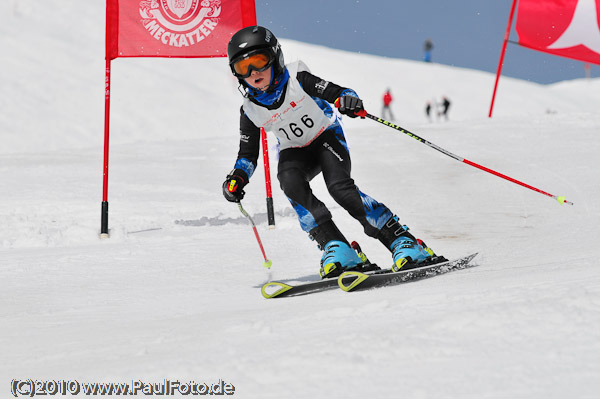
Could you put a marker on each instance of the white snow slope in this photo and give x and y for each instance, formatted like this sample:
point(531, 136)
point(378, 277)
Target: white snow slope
point(174, 293)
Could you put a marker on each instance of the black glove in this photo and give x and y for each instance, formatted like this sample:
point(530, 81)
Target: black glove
point(351, 106)
point(234, 184)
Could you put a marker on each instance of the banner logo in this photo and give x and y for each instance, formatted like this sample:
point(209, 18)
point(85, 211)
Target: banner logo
point(583, 28)
point(180, 23)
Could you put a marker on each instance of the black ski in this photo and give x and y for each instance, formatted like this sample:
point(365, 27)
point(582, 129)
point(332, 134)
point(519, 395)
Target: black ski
point(277, 289)
point(356, 281)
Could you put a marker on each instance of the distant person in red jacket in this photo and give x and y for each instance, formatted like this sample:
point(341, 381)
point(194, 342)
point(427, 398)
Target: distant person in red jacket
point(387, 100)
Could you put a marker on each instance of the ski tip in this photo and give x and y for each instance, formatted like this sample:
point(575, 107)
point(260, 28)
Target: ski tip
point(273, 289)
point(268, 263)
point(347, 281)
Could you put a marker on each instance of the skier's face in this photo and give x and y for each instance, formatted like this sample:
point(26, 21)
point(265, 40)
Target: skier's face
point(260, 80)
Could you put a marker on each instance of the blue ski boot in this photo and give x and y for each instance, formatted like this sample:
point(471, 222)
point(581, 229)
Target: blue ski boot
point(407, 251)
point(338, 256)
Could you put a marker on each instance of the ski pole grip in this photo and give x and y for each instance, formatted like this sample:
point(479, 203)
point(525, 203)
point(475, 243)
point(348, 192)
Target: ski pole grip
point(362, 113)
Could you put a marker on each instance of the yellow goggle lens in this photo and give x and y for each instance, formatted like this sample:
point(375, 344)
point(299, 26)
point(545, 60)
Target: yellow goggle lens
point(257, 61)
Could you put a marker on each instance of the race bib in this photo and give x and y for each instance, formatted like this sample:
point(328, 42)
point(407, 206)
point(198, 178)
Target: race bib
point(298, 121)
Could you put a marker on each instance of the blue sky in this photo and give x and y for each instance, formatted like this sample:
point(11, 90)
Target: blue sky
point(465, 33)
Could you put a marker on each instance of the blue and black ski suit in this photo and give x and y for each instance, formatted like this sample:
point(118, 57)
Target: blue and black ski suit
point(311, 141)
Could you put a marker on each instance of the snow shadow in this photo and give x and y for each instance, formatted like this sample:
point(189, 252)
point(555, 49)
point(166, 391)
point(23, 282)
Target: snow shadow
point(219, 220)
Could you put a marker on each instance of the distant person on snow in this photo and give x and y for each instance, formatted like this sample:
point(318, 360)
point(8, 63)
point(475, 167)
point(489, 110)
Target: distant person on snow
point(295, 105)
point(427, 47)
point(428, 110)
point(387, 100)
point(445, 106)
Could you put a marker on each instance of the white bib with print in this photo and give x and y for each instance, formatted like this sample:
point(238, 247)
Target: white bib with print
point(298, 121)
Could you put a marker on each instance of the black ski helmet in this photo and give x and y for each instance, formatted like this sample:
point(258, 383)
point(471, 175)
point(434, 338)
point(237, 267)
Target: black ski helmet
point(253, 39)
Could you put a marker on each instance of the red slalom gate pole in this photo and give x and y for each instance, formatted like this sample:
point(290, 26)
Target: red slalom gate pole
point(104, 211)
point(265, 148)
point(364, 114)
point(503, 51)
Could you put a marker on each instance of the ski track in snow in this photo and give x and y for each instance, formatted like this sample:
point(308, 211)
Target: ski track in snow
point(175, 292)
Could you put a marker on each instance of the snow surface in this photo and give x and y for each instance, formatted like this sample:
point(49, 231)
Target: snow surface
point(174, 293)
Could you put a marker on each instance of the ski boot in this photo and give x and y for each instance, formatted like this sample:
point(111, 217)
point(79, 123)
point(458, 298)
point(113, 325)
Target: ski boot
point(338, 256)
point(407, 251)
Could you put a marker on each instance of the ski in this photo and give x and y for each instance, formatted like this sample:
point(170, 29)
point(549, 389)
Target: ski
point(278, 289)
point(356, 281)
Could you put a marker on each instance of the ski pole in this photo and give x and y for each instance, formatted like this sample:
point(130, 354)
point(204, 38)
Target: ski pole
point(364, 114)
point(267, 263)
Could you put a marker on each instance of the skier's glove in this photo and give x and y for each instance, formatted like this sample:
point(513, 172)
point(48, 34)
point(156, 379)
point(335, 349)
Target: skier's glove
point(351, 106)
point(233, 187)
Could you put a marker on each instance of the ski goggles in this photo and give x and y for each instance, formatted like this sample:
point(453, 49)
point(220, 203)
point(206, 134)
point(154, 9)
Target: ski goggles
point(259, 62)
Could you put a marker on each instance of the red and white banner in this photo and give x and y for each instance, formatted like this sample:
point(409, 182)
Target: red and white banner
point(174, 28)
point(568, 28)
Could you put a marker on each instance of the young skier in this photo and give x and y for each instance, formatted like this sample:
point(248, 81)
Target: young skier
point(294, 104)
